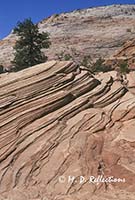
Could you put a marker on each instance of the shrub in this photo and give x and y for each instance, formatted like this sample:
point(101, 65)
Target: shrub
point(63, 56)
point(87, 61)
point(129, 30)
point(99, 66)
point(1, 69)
point(123, 65)
point(67, 57)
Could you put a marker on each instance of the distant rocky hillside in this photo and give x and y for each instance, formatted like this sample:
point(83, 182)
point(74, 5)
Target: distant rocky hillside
point(98, 32)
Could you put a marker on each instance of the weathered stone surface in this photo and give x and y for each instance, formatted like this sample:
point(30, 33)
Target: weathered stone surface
point(56, 119)
point(126, 54)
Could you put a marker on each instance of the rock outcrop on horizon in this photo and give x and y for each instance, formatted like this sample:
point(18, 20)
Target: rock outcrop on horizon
point(57, 119)
point(96, 32)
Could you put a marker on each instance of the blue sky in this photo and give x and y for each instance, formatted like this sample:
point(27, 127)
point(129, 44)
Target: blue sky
point(12, 11)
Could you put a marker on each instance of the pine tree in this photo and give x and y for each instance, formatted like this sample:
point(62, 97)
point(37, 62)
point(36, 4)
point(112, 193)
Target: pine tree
point(28, 47)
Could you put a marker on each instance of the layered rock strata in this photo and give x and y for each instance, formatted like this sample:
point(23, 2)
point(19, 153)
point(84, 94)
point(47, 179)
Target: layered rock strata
point(58, 121)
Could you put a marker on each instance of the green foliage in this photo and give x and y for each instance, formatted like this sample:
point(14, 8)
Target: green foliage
point(99, 66)
point(123, 65)
point(129, 30)
point(63, 56)
point(28, 47)
point(87, 61)
point(1, 69)
point(67, 57)
point(56, 15)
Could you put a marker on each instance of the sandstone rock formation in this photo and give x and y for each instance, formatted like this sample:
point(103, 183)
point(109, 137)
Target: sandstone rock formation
point(126, 53)
point(58, 120)
point(97, 32)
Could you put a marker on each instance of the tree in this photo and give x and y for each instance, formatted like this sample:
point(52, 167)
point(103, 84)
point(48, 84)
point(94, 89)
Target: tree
point(28, 47)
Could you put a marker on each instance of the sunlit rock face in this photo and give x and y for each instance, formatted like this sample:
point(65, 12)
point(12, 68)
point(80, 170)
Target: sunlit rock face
point(97, 32)
point(57, 122)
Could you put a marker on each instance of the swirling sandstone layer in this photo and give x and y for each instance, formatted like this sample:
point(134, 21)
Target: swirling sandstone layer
point(56, 119)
